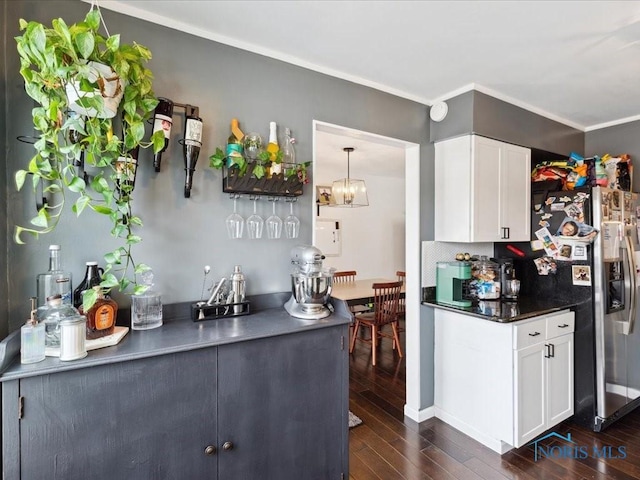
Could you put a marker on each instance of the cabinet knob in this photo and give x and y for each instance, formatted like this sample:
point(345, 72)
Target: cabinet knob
point(564, 325)
point(210, 450)
point(227, 446)
point(534, 334)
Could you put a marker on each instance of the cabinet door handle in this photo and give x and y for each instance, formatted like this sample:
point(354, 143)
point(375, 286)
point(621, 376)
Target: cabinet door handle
point(553, 350)
point(564, 325)
point(508, 232)
point(548, 354)
point(210, 450)
point(227, 446)
point(534, 334)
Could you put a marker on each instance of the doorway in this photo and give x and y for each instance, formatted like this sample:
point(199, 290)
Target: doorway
point(409, 154)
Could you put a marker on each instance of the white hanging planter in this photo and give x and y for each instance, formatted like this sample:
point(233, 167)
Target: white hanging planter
point(111, 88)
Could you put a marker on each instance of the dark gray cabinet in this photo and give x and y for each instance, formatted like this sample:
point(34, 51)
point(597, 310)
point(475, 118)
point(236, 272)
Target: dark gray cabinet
point(272, 408)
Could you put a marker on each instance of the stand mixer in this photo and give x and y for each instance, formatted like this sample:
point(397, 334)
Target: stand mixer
point(310, 284)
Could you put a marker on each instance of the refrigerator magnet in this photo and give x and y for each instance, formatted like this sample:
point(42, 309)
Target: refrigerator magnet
point(548, 242)
point(579, 252)
point(565, 252)
point(545, 265)
point(581, 275)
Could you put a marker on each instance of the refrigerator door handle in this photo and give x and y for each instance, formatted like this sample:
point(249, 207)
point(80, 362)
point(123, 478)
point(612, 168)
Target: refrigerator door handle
point(627, 327)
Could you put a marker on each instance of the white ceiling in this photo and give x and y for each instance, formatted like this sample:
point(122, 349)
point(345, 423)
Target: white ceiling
point(573, 61)
point(368, 157)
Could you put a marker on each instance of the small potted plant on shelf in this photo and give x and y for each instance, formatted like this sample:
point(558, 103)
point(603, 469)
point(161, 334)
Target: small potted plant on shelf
point(93, 96)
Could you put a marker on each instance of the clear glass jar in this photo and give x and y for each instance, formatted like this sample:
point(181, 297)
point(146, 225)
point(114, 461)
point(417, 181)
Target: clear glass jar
point(486, 279)
point(51, 315)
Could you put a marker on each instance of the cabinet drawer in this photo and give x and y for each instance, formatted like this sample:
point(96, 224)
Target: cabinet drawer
point(560, 324)
point(529, 333)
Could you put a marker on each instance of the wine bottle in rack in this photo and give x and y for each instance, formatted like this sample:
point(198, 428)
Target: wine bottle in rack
point(191, 149)
point(234, 144)
point(162, 121)
point(273, 148)
point(288, 151)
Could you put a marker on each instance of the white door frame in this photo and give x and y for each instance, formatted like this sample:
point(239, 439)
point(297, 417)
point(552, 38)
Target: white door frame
point(413, 335)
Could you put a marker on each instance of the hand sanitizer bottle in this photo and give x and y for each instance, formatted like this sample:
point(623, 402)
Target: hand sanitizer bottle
point(32, 339)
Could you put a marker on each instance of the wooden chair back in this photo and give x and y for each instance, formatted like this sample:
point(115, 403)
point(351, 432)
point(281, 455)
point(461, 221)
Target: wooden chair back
point(344, 276)
point(385, 302)
point(402, 276)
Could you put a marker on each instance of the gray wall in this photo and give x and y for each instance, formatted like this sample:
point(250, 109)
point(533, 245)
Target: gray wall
point(181, 235)
point(617, 140)
point(476, 112)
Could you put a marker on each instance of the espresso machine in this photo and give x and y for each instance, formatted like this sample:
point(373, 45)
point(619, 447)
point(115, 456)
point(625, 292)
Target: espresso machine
point(507, 276)
point(310, 284)
point(452, 282)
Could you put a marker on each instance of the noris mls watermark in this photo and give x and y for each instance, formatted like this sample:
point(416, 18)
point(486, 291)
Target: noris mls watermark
point(571, 449)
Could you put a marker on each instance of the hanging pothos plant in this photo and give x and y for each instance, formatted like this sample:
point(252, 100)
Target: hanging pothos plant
point(75, 67)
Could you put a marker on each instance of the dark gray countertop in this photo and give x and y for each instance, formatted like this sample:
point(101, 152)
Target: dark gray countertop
point(502, 311)
point(178, 333)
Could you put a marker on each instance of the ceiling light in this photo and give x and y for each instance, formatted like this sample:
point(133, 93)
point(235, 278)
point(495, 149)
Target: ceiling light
point(349, 192)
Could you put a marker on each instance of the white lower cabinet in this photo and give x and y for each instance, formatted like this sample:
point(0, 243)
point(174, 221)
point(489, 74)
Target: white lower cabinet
point(503, 383)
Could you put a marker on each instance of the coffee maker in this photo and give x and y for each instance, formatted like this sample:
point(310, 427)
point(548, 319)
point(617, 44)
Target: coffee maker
point(507, 274)
point(452, 282)
point(310, 284)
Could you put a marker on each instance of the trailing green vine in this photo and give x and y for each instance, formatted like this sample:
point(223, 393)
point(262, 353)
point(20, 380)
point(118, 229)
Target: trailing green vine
point(53, 60)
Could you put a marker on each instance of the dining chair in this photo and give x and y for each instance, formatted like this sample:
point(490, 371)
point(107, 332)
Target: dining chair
point(346, 276)
point(401, 304)
point(385, 310)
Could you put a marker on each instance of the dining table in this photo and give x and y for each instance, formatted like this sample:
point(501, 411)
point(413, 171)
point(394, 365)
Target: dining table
point(360, 292)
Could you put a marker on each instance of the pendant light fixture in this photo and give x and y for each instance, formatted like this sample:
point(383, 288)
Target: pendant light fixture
point(349, 192)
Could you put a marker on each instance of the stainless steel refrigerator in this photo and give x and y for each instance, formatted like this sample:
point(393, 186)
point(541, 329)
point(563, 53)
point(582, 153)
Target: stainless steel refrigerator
point(615, 289)
point(607, 332)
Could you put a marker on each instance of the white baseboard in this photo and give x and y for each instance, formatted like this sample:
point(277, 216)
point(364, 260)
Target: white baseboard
point(496, 445)
point(419, 415)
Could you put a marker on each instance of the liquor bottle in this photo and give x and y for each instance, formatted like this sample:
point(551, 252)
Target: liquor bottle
point(288, 151)
point(191, 149)
point(234, 143)
point(92, 277)
point(162, 120)
point(273, 148)
point(32, 339)
point(55, 281)
point(101, 317)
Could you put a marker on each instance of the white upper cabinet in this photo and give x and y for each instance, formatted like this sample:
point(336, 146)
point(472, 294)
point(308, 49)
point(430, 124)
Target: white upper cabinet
point(482, 191)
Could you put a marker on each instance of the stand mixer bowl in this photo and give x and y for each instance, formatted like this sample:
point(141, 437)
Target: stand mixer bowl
point(312, 288)
point(311, 284)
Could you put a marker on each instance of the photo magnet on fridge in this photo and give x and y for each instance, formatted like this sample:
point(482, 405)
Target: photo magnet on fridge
point(581, 275)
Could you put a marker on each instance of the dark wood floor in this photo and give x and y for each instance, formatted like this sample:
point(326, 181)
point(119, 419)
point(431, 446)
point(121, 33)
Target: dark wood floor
point(389, 446)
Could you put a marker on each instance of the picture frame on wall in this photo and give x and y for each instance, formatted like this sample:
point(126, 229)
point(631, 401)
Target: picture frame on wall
point(323, 194)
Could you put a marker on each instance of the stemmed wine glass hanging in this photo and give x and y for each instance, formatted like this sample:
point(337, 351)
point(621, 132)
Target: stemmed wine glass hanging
point(275, 225)
point(235, 222)
point(274, 222)
point(291, 222)
point(255, 223)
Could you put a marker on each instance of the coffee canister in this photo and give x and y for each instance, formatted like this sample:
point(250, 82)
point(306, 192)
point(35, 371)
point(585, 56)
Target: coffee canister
point(73, 333)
